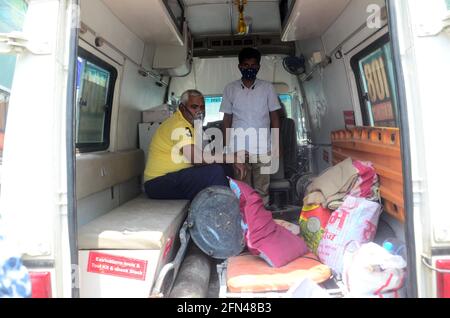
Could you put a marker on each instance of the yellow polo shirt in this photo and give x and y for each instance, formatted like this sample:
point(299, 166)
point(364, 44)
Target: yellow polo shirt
point(164, 152)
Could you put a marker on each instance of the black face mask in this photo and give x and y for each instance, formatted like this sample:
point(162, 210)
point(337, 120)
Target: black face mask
point(249, 73)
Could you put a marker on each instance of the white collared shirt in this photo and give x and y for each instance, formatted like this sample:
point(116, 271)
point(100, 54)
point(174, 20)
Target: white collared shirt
point(250, 108)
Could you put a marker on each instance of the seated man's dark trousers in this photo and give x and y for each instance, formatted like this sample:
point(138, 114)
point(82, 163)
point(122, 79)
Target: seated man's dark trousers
point(187, 183)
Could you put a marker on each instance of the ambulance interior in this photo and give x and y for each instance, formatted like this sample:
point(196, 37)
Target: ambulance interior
point(137, 55)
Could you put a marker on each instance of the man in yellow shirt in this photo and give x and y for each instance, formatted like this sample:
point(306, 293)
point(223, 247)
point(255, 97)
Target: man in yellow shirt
point(176, 167)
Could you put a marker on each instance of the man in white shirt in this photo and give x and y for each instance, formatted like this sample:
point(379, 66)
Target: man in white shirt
point(251, 106)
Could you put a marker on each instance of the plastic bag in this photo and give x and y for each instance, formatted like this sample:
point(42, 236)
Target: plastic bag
point(371, 271)
point(306, 288)
point(355, 220)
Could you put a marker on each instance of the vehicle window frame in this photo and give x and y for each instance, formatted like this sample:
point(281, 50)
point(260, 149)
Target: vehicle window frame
point(104, 145)
point(354, 63)
point(4, 94)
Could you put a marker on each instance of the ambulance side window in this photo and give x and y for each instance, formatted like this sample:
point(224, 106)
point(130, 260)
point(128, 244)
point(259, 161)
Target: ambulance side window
point(95, 90)
point(374, 71)
point(212, 107)
point(294, 111)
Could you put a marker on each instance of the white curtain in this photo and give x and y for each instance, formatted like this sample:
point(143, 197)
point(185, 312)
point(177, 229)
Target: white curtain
point(211, 75)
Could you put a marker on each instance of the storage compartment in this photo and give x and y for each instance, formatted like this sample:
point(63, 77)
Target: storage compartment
point(117, 273)
point(123, 251)
point(175, 60)
point(306, 19)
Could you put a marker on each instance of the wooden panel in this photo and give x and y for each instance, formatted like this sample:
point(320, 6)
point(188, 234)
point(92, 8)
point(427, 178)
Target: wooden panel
point(381, 146)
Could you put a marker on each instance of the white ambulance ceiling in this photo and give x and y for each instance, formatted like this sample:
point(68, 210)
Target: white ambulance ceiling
point(220, 17)
point(150, 20)
point(309, 19)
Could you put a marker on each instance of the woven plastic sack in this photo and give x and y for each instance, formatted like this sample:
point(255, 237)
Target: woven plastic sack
point(356, 220)
point(367, 185)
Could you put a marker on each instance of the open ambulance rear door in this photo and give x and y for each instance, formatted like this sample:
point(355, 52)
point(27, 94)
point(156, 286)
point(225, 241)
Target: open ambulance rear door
point(421, 44)
point(37, 174)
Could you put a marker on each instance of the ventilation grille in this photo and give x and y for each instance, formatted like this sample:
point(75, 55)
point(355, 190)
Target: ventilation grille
point(230, 46)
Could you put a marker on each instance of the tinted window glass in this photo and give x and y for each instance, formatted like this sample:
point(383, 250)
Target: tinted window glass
point(212, 107)
point(293, 111)
point(375, 76)
point(95, 89)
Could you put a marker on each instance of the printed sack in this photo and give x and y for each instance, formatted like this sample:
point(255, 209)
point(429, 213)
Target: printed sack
point(355, 220)
point(313, 220)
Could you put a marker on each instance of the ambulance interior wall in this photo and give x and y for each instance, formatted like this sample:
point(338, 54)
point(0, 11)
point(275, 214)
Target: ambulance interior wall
point(329, 91)
point(134, 93)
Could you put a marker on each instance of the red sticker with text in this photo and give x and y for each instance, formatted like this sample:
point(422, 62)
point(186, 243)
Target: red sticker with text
point(113, 265)
point(349, 117)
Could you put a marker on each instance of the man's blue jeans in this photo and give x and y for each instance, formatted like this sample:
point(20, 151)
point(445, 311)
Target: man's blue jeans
point(187, 183)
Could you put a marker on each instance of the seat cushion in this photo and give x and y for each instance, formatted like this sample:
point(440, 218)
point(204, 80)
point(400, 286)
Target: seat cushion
point(140, 224)
point(248, 273)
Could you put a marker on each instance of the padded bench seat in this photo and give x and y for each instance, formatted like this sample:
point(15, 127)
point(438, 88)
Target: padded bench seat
point(140, 224)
